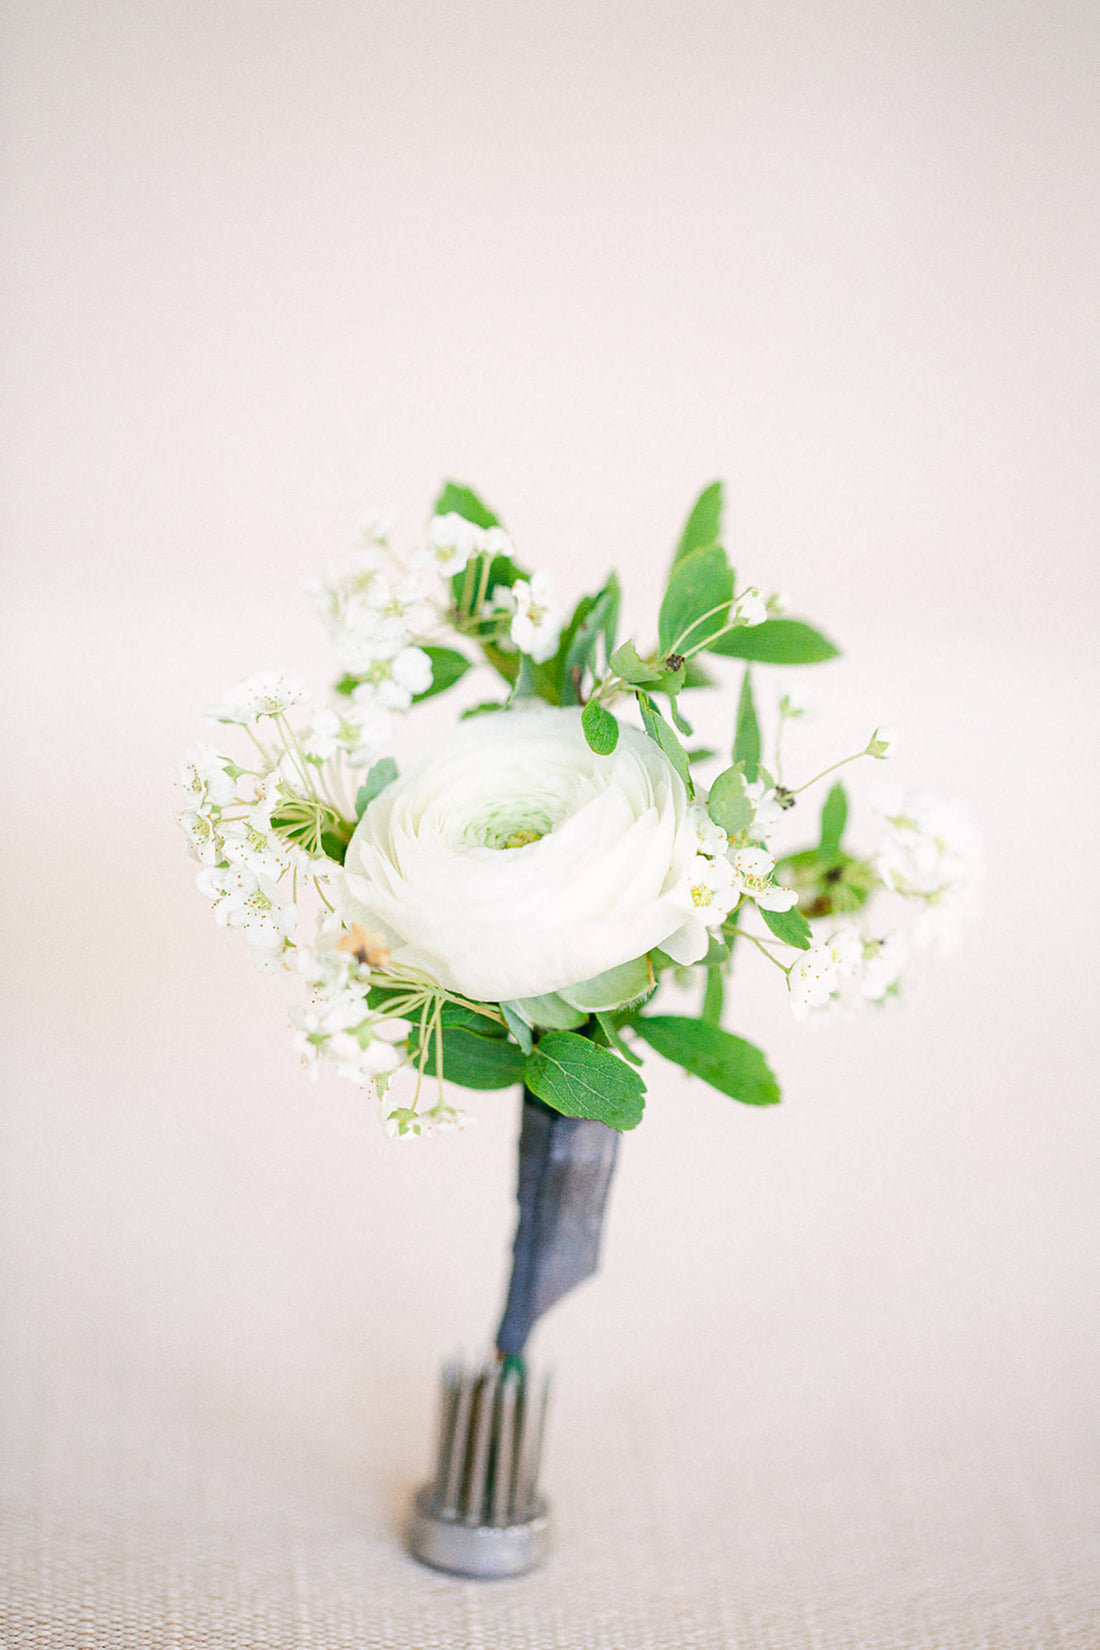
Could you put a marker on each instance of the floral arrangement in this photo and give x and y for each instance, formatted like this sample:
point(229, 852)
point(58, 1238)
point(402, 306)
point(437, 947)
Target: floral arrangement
point(506, 909)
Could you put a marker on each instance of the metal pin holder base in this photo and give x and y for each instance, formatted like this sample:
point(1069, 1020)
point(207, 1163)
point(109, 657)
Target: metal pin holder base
point(482, 1515)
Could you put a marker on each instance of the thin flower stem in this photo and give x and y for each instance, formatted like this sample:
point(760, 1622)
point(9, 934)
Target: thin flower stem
point(324, 901)
point(842, 763)
point(694, 625)
point(761, 947)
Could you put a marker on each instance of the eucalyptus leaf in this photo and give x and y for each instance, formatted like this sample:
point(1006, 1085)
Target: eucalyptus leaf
point(834, 817)
point(448, 667)
point(701, 753)
point(704, 524)
point(776, 642)
point(746, 743)
point(577, 1077)
point(600, 728)
point(615, 988)
point(789, 926)
point(383, 773)
point(726, 1062)
point(701, 583)
point(729, 803)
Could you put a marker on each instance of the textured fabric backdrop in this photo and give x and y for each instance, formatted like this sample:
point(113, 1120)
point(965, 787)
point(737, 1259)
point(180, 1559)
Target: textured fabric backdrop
point(272, 264)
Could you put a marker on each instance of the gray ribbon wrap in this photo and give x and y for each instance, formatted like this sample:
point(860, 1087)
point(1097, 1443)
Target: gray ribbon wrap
point(565, 1168)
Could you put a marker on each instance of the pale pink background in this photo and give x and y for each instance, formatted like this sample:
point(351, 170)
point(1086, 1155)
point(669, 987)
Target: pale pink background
point(270, 265)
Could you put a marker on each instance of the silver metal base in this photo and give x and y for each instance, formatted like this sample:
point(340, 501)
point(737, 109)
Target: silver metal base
point(482, 1514)
point(484, 1551)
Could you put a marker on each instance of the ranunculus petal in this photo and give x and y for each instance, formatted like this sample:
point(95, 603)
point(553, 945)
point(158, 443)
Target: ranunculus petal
point(514, 861)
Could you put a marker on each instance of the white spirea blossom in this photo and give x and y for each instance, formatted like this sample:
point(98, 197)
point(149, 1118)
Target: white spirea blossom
point(538, 619)
point(750, 608)
point(267, 693)
point(931, 852)
point(452, 540)
point(513, 860)
point(204, 778)
point(754, 872)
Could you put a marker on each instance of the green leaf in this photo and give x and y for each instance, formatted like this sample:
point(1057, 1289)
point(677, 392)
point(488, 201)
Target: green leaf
point(448, 667)
point(549, 1010)
point(702, 753)
point(746, 743)
point(454, 499)
point(382, 774)
point(834, 817)
point(661, 734)
point(728, 1063)
point(593, 617)
point(628, 663)
point(503, 660)
point(712, 997)
point(606, 1023)
point(520, 1030)
point(478, 1062)
point(600, 728)
point(614, 989)
point(577, 1077)
point(696, 677)
point(483, 709)
point(729, 803)
point(700, 582)
point(776, 642)
point(789, 926)
point(704, 525)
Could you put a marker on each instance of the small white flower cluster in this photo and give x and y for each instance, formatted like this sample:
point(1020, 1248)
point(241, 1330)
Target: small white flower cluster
point(537, 616)
point(337, 1027)
point(452, 541)
point(931, 852)
point(719, 876)
point(243, 859)
point(845, 972)
point(375, 617)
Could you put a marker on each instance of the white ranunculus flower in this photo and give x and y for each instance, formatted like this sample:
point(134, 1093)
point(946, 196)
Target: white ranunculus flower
point(513, 861)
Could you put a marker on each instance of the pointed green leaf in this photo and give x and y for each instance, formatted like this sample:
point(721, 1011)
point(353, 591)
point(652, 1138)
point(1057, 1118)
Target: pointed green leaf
point(577, 1077)
point(614, 989)
point(661, 734)
point(382, 774)
point(712, 997)
point(789, 926)
point(729, 803)
point(520, 1030)
point(834, 817)
point(702, 753)
point(594, 616)
point(777, 642)
point(454, 499)
point(696, 602)
point(746, 743)
point(448, 667)
point(704, 525)
point(477, 1062)
point(600, 728)
point(606, 1023)
point(728, 1063)
point(628, 663)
